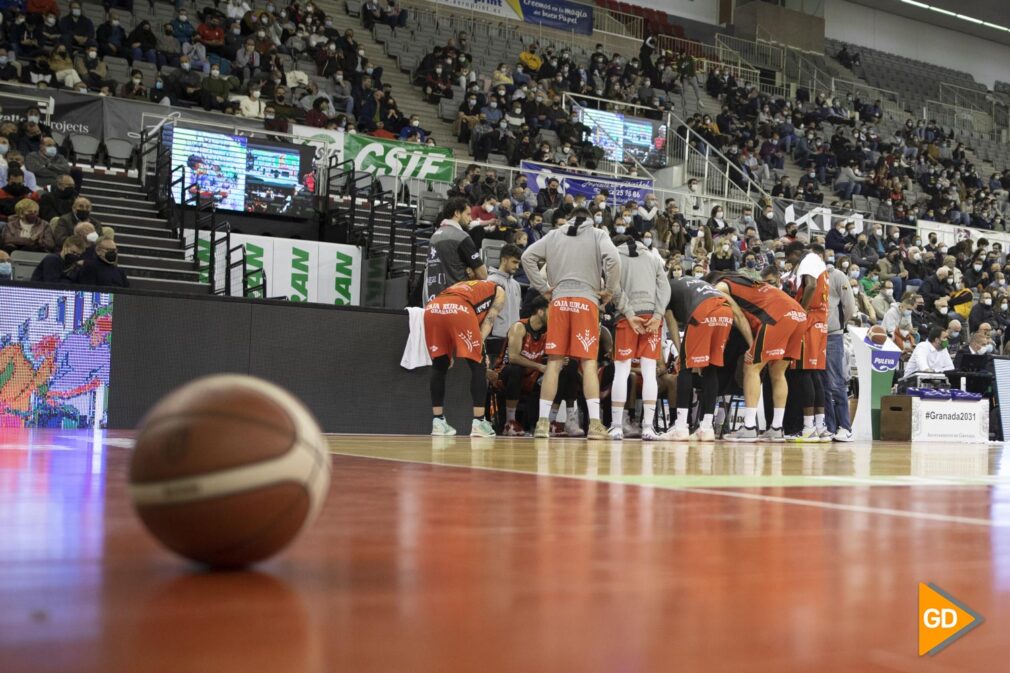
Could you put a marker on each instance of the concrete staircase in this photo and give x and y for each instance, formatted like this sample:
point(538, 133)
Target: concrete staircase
point(151, 256)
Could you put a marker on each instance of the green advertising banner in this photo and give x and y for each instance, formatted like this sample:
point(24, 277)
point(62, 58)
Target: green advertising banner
point(402, 160)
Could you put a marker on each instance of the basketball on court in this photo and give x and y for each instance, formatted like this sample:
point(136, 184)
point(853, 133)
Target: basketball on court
point(228, 470)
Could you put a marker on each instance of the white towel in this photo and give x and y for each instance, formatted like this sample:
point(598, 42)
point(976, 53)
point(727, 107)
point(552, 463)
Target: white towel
point(415, 354)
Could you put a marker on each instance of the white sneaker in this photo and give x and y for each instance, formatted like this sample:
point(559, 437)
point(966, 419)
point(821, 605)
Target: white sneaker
point(843, 435)
point(631, 429)
point(677, 434)
point(649, 434)
point(823, 435)
point(743, 434)
point(616, 433)
point(773, 435)
point(439, 428)
point(703, 435)
point(806, 435)
point(572, 427)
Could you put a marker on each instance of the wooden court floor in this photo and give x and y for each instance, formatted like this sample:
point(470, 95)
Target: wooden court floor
point(521, 556)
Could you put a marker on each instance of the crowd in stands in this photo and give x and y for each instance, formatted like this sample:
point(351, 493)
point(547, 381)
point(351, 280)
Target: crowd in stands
point(42, 210)
point(505, 111)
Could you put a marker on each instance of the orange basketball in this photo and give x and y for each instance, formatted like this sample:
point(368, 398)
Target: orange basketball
point(877, 335)
point(228, 469)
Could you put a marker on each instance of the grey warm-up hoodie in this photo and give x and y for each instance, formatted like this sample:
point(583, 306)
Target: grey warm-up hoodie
point(644, 286)
point(575, 263)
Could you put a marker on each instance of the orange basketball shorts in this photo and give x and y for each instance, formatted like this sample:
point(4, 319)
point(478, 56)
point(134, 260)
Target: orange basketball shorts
point(451, 328)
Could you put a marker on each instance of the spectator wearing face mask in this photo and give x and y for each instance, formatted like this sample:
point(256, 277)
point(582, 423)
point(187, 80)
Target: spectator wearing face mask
point(134, 89)
point(47, 164)
point(78, 30)
point(884, 298)
point(6, 267)
point(63, 267)
point(57, 202)
point(66, 225)
point(414, 127)
point(982, 312)
point(92, 70)
point(722, 258)
point(251, 105)
point(25, 230)
point(104, 271)
point(647, 214)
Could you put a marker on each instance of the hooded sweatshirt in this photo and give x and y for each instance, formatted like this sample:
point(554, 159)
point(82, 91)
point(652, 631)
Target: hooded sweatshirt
point(575, 263)
point(644, 287)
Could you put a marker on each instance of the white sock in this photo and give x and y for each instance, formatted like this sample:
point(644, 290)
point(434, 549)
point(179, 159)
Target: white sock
point(808, 422)
point(510, 413)
point(594, 408)
point(554, 413)
point(819, 420)
point(648, 414)
point(545, 409)
point(777, 415)
point(706, 421)
point(750, 415)
point(681, 418)
point(617, 414)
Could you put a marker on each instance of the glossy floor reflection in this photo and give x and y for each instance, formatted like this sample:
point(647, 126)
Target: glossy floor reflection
point(646, 558)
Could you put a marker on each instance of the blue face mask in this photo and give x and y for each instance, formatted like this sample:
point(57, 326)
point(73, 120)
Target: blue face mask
point(6, 270)
point(50, 151)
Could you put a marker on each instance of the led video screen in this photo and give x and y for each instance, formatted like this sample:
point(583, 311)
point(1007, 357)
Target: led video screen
point(244, 174)
point(55, 352)
point(623, 137)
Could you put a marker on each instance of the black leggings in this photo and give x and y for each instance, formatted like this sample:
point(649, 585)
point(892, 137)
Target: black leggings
point(805, 388)
point(478, 381)
point(709, 389)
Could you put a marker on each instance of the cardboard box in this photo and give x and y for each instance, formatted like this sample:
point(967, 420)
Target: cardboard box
point(896, 418)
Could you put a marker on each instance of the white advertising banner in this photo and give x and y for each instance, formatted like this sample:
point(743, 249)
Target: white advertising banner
point(500, 8)
point(325, 136)
point(305, 271)
point(946, 421)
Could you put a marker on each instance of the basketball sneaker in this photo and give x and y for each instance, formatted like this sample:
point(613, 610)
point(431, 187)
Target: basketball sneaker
point(744, 434)
point(482, 428)
point(513, 429)
point(543, 429)
point(439, 428)
point(615, 432)
point(631, 429)
point(677, 434)
point(558, 429)
point(843, 435)
point(823, 435)
point(649, 434)
point(703, 435)
point(773, 435)
point(806, 436)
point(572, 427)
point(597, 430)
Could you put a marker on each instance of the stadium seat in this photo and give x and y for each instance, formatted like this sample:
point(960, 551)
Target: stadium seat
point(84, 147)
point(24, 263)
point(119, 150)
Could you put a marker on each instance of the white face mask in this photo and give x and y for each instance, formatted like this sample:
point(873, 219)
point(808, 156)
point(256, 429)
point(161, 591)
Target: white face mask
point(620, 229)
point(92, 237)
point(648, 241)
point(725, 247)
point(987, 302)
point(598, 219)
point(943, 311)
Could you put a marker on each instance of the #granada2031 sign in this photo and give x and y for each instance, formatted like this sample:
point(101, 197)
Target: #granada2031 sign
point(402, 160)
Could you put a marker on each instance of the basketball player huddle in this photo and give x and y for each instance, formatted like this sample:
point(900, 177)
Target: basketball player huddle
point(578, 268)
